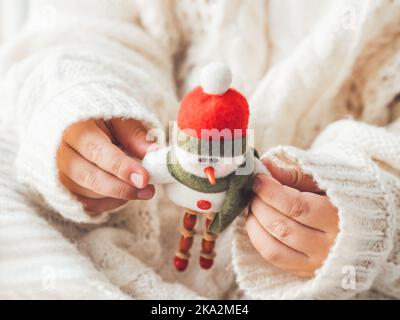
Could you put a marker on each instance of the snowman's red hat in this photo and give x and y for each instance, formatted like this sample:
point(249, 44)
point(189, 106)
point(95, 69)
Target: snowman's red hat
point(214, 105)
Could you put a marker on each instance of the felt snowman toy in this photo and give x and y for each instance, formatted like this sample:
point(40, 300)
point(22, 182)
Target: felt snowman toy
point(209, 167)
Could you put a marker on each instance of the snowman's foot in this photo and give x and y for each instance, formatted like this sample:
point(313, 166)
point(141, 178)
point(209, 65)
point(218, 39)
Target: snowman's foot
point(181, 261)
point(206, 260)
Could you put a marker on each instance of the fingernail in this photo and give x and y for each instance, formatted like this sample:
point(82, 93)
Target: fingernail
point(257, 184)
point(145, 194)
point(137, 180)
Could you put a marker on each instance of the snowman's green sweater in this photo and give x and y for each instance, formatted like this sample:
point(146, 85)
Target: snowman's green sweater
point(238, 187)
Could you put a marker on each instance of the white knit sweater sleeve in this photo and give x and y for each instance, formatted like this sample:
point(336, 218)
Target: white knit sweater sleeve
point(77, 60)
point(347, 161)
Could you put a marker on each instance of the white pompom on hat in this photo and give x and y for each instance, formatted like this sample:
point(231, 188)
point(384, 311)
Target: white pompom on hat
point(215, 78)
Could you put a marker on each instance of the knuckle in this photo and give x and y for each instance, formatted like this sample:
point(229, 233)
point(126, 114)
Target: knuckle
point(95, 151)
point(60, 152)
point(298, 208)
point(89, 179)
point(252, 208)
point(64, 181)
point(69, 132)
point(271, 254)
point(295, 176)
point(116, 166)
point(249, 225)
point(123, 191)
point(279, 230)
point(269, 194)
point(328, 239)
point(254, 205)
point(138, 131)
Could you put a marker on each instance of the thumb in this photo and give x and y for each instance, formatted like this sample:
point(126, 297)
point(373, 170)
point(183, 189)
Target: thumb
point(132, 136)
point(292, 176)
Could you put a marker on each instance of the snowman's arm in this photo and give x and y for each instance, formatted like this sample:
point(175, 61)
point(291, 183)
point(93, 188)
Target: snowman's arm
point(155, 162)
point(259, 167)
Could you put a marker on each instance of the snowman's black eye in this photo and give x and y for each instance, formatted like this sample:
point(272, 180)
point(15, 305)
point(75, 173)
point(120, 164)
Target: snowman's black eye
point(202, 160)
point(208, 160)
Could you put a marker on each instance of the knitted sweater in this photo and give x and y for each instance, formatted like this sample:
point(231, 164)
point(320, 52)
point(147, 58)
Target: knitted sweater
point(323, 84)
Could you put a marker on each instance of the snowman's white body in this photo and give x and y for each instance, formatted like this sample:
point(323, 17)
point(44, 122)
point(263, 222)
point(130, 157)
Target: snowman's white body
point(156, 164)
point(188, 198)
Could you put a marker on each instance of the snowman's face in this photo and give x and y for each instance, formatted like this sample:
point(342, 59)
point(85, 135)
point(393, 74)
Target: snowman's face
point(197, 164)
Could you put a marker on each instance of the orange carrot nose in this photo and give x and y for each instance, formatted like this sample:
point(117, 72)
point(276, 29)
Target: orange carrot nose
point(209, 171)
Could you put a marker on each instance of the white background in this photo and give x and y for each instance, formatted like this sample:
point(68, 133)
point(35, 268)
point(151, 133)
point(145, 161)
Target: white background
point(12, 16)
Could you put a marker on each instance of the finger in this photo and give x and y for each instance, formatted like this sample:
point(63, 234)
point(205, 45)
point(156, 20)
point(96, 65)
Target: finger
point(146, 193)
point(77, 189)
point(97, 206)
point(272, 250)
point(288, 231)
point(103, 125)
point(292, 177)
point(90, 141)
point(132, 135)
point(88, 176)
point(310, 209)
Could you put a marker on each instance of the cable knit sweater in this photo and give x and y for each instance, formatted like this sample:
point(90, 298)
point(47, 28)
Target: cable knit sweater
point(323, 82)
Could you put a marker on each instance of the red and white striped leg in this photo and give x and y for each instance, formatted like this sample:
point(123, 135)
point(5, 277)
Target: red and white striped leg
point(181, 259)
point(207, 253)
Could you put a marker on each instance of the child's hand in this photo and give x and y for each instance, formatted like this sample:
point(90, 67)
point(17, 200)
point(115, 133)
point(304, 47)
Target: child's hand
point(94, 167)
point(291, 222)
